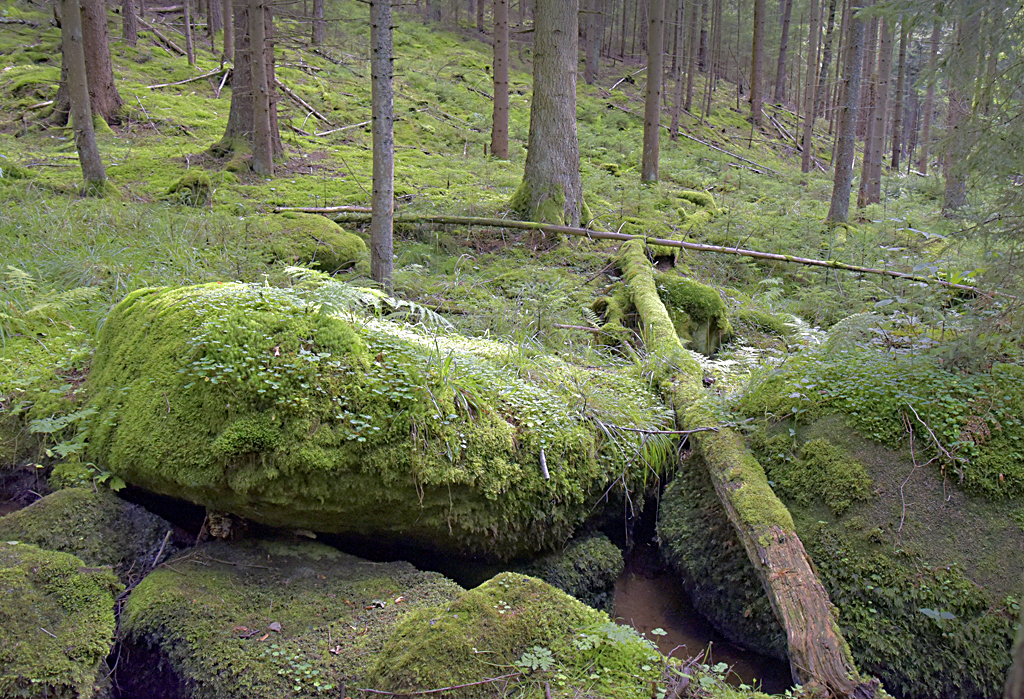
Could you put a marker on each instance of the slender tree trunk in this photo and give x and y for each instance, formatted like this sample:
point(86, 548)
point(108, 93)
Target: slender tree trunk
point(262, 145)
point(317, 38)
point(229, 32)
point(963, 65)
point(826, 61)
point(216, 18)
point(652, 106)
point(846, 145)
point(677, 93)
point(382, 98)
point(499, 121)
point(929, 100)
point(702, 52)
point(104, 99)
point(190, 51)
point(757, 64)
point(551, 190)
point(901, 90)
point(481, 9)
point(780, 67)
point(871, 181)
point(93, 172)
point(129, 23)
point(593, 42)
point(868, 73)
point(807, 157)
point(692, 48)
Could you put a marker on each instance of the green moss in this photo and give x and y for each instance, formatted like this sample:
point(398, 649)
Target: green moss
point(703, 200)
point(818, 472)
point(697, 311)
point(761, 321)
point(247, 399)
point(56, 623)
point(496, 624)
point(10, 171)
point(95, 525)
point(587, 569)
point(194, 188)
point(207, 615)
point(299, 238)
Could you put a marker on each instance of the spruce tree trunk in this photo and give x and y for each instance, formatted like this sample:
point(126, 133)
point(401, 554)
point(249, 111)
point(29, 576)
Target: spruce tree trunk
point(262, 145)
point(382, 99)
point(551, 190)
point(810, 112)
point(872, 183)
point(826, 61)
point(693, 24)
point(499, 120)
point(901, 90)
point(702, 52)
point(317, 38)
point(780, 67)
point(846, 143)
point(129, 23)
point(480, 9)
point(216, 21)
point(757, 64)
point(93, 172)
point(652, 105)
point(190, 52)
point(593, 42)
point(229, 31)
point(929, 100)
point(677, 96)
point(238, 133)
point(104, 99)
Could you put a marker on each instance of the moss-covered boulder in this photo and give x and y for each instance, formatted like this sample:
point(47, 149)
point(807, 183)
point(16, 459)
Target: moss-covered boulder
point(56, 623)
point(194, 188)
point(299, 238)
point(265, 619)
point(697, 310)
point(586, 569)
point(97, 526)
point(698, 541)
point(256, 401)
point(524, 629)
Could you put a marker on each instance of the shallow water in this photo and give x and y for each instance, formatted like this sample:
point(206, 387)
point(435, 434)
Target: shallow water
point(648, 597)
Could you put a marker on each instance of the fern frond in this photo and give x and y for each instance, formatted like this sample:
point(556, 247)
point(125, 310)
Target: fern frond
point(18, 280)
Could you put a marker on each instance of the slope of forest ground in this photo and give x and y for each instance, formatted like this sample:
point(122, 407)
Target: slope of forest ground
point(907, 361)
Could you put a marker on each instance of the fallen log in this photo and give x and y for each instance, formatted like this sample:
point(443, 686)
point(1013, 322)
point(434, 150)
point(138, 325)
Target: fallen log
point(302, 103)
point(163, 39)
point(699, 247)
point(190, 80)
point(819, 656)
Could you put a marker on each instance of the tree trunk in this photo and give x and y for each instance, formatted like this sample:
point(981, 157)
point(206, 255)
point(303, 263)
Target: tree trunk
point(693, 24)
point(901, 89)
point(929, 100)
point(872, 184)
point(826, 60)
point(190, 51)
point(807, 157)
point(93, 172)
point(677, 95)
point(317, 38)
point(780, 67)
point(129, 23)
point(551, 190)
point(757, 64)
point(481, 9)
point(229, 31)
point(593, 42)
point(846, 143)
point(868, 68)
point(262, 144)
point(216, 21)
point(382, 98)
point(104, 99)
point(499, 121)
point(702, 51)
point(652, 105)
point(819, 656)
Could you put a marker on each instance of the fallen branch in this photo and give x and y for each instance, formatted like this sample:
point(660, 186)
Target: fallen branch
point(699, 247)
point(342, 128)
point(190, 80)
point(220, 87)
point(302, 103)
point(324, 209)
point(163, 39)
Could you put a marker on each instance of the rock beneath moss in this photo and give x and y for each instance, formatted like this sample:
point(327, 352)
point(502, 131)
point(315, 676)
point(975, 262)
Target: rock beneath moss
point(587, 569)
point(56, 624)
point(248, 400)
point(697, 310)
point(98, 527)
point(698, 541)
point(299, 238)
point(265, 619)
point(194, 188)
point(522, 628)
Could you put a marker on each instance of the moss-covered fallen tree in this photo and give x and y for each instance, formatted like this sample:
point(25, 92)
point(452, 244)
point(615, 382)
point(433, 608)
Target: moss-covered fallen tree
point(819, 656)
point(280, 406)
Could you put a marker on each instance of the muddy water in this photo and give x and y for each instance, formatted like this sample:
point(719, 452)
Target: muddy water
point(648, 597)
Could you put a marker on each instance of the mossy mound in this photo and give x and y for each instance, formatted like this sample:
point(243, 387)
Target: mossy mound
point(698, 541)
point(97, 526)
point(519, 626)
point(265, 619)
point(194, 188)
point(56, 623)
point(752, 319)
point(587, 569)
point(697, 310)
point(815, 471)
point(254, 400)
point(311, 239)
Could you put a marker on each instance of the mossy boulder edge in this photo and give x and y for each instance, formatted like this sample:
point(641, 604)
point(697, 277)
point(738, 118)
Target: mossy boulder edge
point(300, 238)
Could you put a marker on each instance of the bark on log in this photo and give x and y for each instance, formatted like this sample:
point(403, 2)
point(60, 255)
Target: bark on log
point(818, 653)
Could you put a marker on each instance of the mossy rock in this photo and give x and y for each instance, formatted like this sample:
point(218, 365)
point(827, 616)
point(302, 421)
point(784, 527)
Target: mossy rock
point(514, 622)
point(587, 569)
point(97, 526)
point(699, 542)
point(697, 310)
point(265, 619)
point(761, 322)
point(56, 623)
point(299, 238)
point(194, 188)
point(250, 400)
